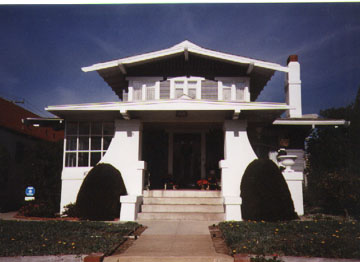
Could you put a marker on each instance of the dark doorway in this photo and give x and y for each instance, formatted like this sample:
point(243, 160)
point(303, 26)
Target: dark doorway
point(155, 153)
point(214, 152)
point(186, 162)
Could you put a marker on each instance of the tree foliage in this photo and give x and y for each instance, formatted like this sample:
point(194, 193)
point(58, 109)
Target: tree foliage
point(41, 168)
point(334, 163)
point(4, 165)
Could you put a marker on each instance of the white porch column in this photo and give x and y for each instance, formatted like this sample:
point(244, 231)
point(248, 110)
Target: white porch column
point(238, 154)
point(294, 181)
point(293, 88)
point(124, 153)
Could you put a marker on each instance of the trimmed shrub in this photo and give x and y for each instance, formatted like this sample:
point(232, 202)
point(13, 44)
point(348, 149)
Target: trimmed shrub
point(265, 194)
point(99, 194)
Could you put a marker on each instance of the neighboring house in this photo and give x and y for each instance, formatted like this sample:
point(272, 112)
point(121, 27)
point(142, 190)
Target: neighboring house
point(15, 136)
point(185, 113)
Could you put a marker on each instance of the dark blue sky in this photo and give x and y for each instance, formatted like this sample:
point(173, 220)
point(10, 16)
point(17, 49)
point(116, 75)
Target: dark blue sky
point(42, 48)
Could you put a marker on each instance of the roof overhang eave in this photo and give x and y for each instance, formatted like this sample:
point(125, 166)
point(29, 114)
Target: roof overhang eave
point(169, 105)
point(55, 123)
point(311, 122)
point(192, 49)
point(133, 59)
point(238, 59)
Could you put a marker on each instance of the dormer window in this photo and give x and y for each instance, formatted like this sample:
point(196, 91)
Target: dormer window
point(137, 91)
point(227, 91)
point(150, 91)
point(179, 87)
point(190, 86)
point(156, 88)
point(233, 89)
point(144, 88)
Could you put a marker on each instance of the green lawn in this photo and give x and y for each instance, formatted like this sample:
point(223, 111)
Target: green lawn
point(30, 238)
point(334, 239)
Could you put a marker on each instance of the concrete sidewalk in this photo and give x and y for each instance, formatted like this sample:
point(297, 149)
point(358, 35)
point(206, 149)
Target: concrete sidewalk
point(180, 241)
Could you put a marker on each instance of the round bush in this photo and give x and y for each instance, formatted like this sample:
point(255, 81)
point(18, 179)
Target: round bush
point(99, 195)
point(265, 194)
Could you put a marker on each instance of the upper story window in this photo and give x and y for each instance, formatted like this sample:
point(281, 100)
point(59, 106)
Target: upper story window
point(233, 89)
point(190, 86)
point(143, 88)
point(86, 142)
point(179, 88)
point(155, 88)
point(150, 91)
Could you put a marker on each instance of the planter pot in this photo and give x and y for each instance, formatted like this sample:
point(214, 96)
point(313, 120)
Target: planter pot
point(287, 161)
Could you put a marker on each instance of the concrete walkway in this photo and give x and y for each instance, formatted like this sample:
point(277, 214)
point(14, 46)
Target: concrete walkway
point(180, 241)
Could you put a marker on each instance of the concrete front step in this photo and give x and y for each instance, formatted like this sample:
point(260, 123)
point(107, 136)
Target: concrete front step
point(198, 205)
point(183, 208)
point(181, 216)
point(182, 193)
point(183, 201)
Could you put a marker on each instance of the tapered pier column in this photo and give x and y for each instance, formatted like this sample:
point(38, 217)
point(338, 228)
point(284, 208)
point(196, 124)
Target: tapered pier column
point(238, 154)
point(124, 154)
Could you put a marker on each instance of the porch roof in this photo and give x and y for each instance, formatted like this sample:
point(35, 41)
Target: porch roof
point(128, 110)
point(185, 59)
point(310, 122)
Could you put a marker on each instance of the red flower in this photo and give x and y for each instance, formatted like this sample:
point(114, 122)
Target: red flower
point(202, 182)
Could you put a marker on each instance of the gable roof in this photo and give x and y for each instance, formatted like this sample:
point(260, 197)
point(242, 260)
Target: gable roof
point(184, 47)
point(186, 58)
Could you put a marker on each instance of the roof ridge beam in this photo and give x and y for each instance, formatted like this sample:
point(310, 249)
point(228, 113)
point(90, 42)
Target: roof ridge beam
point(186, 54)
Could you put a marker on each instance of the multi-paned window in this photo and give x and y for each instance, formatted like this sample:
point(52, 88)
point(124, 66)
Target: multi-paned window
point(86, 142)
point(137, 91)
point(227, 91)
point(233, 89)
point(228, 88)
point(190, 86)
point(143, 88)
point(150, 91)
point(179, 87)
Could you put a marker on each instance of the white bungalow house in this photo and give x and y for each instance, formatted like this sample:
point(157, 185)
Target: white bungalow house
point(184, 113)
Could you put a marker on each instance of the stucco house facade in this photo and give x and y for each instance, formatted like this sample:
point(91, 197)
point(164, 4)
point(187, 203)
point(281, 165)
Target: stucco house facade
point(184, 113)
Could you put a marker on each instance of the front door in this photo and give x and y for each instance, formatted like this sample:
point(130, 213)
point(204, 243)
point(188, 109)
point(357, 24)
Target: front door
point(187, 159)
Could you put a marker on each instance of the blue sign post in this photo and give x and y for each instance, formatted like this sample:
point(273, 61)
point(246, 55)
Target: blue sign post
point(30, 193)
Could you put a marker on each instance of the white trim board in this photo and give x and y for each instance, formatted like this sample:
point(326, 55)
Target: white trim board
point(185, 47)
